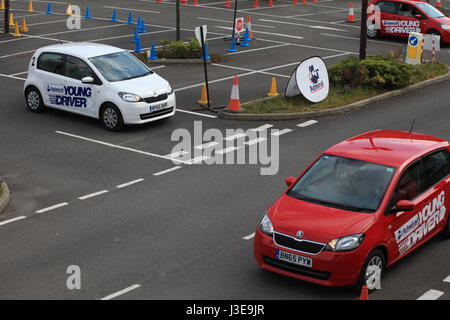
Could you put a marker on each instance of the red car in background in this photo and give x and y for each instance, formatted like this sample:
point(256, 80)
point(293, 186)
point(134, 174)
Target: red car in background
point(361, 206)
point(400, 17)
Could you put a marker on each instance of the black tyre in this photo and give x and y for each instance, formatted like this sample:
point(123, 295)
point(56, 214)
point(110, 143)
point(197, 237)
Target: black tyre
point(34, 100)
point(446, 231)
point(371, 271)
point(111, 117)
point(372, 31)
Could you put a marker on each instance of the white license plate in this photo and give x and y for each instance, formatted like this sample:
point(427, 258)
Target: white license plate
point(294, 258)
point(158, 107)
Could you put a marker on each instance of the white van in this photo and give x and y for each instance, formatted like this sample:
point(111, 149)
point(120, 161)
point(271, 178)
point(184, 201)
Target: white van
point(97, 81)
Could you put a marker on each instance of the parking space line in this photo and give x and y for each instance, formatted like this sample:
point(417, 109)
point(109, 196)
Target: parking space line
point(227, 21)
point(353, 38)
point(92, 195)
point(235, 136)
point(127, 184)
point(431, 295)
point(56, 206)
point(249, 237)
point(255, 141)
point(263, 127)
point(245, 69)
point(270, 33)
point(2, 223)
point(307, 123)
point(177, 154)
point(227, 150)
point(257, 49)
point(167, 171)
point(447, 279)
point(121, 292)
point(302, 25)
point(196, 160)
point(281, 132)
point(12, 76)
point(195, 113)
point(206, 145)
point(129, 9)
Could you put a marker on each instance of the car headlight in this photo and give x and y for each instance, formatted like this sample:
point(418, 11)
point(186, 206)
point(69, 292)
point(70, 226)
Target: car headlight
point(347, 243)
point(445, 26)
point(170, 90)
point(130, 97)
point(266, 225)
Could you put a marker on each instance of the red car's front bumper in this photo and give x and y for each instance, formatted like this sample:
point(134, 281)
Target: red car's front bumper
point(328, 268)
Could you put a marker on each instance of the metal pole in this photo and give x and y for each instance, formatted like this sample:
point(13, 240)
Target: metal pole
point(6, 16)
point(234, 18)
point(178, 20)
point(204, 66)
point(363, 31)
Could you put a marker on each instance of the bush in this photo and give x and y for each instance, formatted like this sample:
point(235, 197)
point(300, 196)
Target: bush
point(179, 49)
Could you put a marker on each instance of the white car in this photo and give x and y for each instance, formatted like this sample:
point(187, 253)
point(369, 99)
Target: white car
point(97, 81)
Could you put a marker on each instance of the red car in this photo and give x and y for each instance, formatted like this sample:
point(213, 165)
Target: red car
point(400, 17)
point(361, 206)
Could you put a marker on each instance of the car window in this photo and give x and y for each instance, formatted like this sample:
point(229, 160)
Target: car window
point(405, 10)
point(435, 166)
point(51, 62)
point(77, 68)
point(429, 10)
point(409, 185)
point(388, 7)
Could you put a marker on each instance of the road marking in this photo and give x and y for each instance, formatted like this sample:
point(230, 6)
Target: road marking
point(250, 236)
point(11, 76)
point(91, 195)
point(281, 132)
point(123, 185)
point(118, 146)
point(352, 38)
point(167, 171)
point(128, 9)
point(263, 127)
point(264, 32)
point(255, 71)
point(255, 141)
point(177, 154)
point(227, 150)
point(227, 21)
point(431, 295)
point(302, 25)
point(307, 123)
point(258, 49)
point(121, 292)
point(192, 112)
point(206, 145)
point(12, 220)
point(56, 206)
point(235, 136)
point(196, 160)
point(447, 279)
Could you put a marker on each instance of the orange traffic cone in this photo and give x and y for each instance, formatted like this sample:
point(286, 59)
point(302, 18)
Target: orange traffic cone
point(11, 20)
point(256, 4)
point(249, 27)
point(294, 2)
point(227, 4)
point(2, 5)
point(204, 98)
point(270, 4)
point(351, 14)
point(195, 3)
point(273, 88)
point(304, 1)
point(235, 104)
point(438, 4)
point(183, 1)
point(30, 6)
point(16, 30)
point(23, 27)
point(364, 293)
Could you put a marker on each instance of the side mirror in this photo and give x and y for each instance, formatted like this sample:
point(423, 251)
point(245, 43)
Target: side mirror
point(290, 181)
point(87, 80)
point(418, 16)
point(403, 205)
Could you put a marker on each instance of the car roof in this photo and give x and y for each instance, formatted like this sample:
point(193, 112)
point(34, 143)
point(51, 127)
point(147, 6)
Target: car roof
point(405, 1)
point(388, 147)
point(81, 49)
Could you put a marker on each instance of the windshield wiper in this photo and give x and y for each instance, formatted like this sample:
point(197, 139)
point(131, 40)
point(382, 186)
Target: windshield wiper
point(330, 204)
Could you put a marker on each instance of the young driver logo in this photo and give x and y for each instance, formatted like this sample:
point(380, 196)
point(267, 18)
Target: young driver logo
point(314, 78)
point(69, 96)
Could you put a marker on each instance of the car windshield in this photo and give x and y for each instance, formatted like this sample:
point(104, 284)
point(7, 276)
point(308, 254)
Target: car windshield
point(120, 66)
point(344, 183)
point(429, 10)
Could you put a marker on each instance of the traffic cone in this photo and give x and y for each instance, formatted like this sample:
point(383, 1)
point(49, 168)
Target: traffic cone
point(256, 4)
point(69, 10)
point(88, 13)
point(183, 1)
point(234, 104)
point(130, 18)
point(206, 53)
point(23, 27)
point(294, 2)
point(138, 48)
point(438, 4)
point(364, 293)
point(228, 4)
point(304, 1)
point(142, 29)
point(245, 41)
point(30, 6)
point(16, 30)
point(233, 45)
point(114, 16)
point(136, 35)
point(2, 5)
point(195, 3)
point(270, 4)
point(138, 24)
point(49, 8)
point(11, 20)
point(249, 27)
point(351, 14)
point(204, 98)
point(273, 88)
point(153, 53)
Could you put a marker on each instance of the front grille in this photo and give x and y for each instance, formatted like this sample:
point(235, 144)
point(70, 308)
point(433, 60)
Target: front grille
point(154, 114)
point(298, 245)
point(300, 270)
point(161, 97)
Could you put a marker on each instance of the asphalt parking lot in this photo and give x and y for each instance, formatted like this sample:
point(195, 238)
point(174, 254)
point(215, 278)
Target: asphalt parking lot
point(118, 206)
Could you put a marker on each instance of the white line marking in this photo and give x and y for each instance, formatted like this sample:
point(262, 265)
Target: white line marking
point(128, 9)
point(250, 236)
point(227, 21)
point(263, 127)
point(11, 76)
point(255, 71)
point(196, 160)
point(255, 141)
point(352, 38)
point(281, 132)
point(227, 150)
point(167, 171)
point(56, 206)
point(302, 25)
point(121, 292)
point(307, 123)
point(123, 185)
point(12, 220)
point(431, 295)
point(177, 154)
point(447, 279)
point(192, 112)
point(264, 32)
point(206, 145)
point(91, 195)
point(258, 49)
point(235, 136)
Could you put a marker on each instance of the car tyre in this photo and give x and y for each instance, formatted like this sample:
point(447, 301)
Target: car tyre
point(446, 231)
point(375, 262)
point(34, 100)
point(372, 31)
point(111, 117)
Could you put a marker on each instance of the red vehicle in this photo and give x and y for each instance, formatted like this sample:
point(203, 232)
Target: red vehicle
point(361, 206)
point(400, 17)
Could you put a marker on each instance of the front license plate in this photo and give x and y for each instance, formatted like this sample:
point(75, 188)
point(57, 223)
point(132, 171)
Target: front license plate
point(158, 107)
point(294, 258)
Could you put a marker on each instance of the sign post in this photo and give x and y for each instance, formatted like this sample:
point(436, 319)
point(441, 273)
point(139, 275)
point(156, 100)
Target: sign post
point(200, 33)
point(6, 19)
point(414, 48)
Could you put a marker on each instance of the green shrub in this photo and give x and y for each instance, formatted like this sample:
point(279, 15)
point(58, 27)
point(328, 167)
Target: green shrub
point(179, 49)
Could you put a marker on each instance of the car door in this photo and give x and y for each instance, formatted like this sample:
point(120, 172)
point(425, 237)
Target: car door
point(80, 97)
point(405, 20)
point(388, 13)
point(50, 74)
